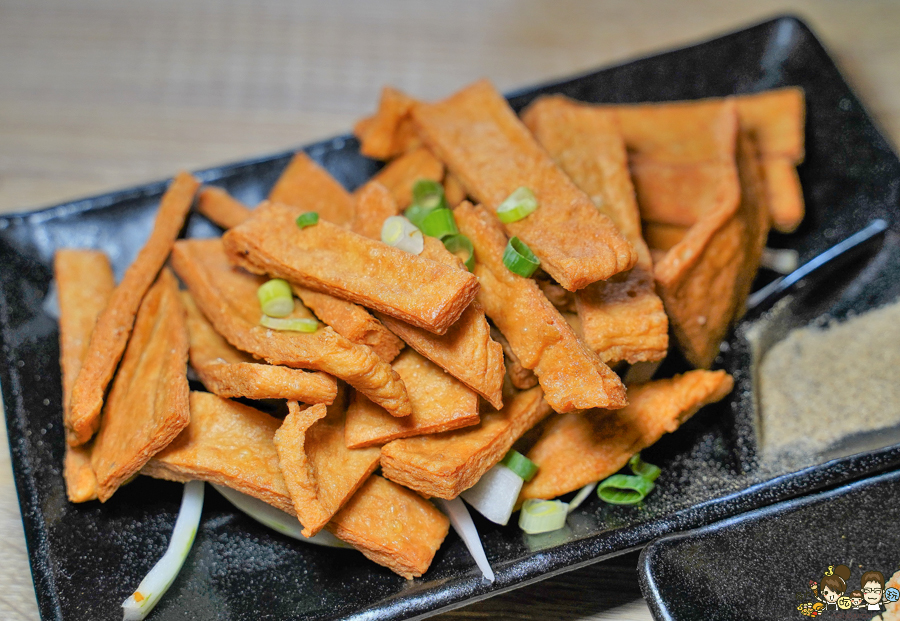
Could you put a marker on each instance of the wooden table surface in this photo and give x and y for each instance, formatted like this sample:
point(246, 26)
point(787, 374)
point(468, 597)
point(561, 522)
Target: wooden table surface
point(103, 94)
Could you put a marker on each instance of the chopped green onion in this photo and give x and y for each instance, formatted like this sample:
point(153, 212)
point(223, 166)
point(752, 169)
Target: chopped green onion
point(400, 233)
point(461, 246)
point(429, 194)
point(643, 469)
point(307, 219)
point(581, 496)
point(495, 494)
point(275, 298)
point(160, 578)
point(519, 258)
point(415, 214)
point(623, 489)
point(517, 205)
point(521, 465)
point(465, 528)
point(289, 325)
point(439, 223)
point(542, 516)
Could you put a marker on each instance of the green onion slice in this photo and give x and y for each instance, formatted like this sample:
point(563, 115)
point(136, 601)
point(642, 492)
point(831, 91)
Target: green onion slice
point(415, 214)
point(461, 246)
point(581, 496)
point(289, 325)
point(520, 464)
point(517, 205)
point(307, 219)
point(643, 469)
point(429, 194)
point(519, 258)
point(439, 223)
point(542, 516)
point(275, 298)
point(623, 489)
point(400, 233)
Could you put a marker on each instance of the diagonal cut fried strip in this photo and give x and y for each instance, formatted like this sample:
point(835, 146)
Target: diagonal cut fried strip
point(445, 464)
point(572, 375)
point(227, 297)
point(148, 403)
point(374, 205)
point(583, 447)
point(390, 132)
point(221, 208)
point(110, 335)
point(306, 186)
point(439, 403)
point(320, 471)
point(399, 175)
point(328, 258)
point(84, 282)
point(229, 372)
point(485, 145)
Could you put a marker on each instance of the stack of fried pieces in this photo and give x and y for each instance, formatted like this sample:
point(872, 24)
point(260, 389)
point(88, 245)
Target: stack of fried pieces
point(490, 354)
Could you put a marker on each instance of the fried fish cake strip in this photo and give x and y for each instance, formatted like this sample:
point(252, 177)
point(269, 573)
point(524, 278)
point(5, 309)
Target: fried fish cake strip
point(663, 236)
point(392, 526)
point(84, 282)
point(454, 191)
point(783, 193)
point(390, 132)
point(445, 464)
point(439, 403)
point(776, 119)
point(680, 194)
point(320, 471)
point(227, 297)
point(221, 208)
point(226, 443)
point(306, 186)
point(572, 375)
point(485, 145)
point(582, 447)
point(229, 372)
point(148, 403)
point(621, 318)
point(519, 376)
point(110, 335)
point(328, 258)
point(399, 175)
point(374, 205)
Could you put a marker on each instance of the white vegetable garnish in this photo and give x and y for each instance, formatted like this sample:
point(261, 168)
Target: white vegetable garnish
point(579, 498)
point(157, 582)
point(400, 233)
point(277, 520)
point(783, 261)
point(465, 528)
point(495, 494)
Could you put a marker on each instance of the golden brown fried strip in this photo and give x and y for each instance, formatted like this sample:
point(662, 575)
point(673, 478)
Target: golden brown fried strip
point(84, 282)
point(680, 194)
point(320, 471)
point(328, 258)
point(454, 191)
point(776, 119)
point(220, 207)
point(148, 403)
point(519, 376)
point(485, 145)
point(110, 335)
point(374, 205)
point(663, 236)
point(229, 372)
point(306, 186)
point(390, 132)
point(582, 447)
point(445, 464)
point(226, 443)
point(439, 403)
point(227, 297)
point(392, 526)
point(621, 318)
point(572, 376)
point(783, 193)
point(399, 175)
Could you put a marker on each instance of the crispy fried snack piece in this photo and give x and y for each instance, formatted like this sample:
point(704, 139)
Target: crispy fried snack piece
point(320, 471)
point(445, 464)
point(519, 376)
point(663, 236)
point(454, 191)
point(226, 443)
point(776, 119)
point(399, 175)
point(572, 375)
point(621, 318)
point(783, 193)
point(221, 208)
point(439, 403)
point(306, 186)
point(110, 335)
point(705, 278)
point(679, 194)
point(328, 258)
point(392, 526)
point(581, 447)
point(84, 282)
point(485, 145)
point(374, 205)
point(390, 132)
point(229, 372)
point(148, 402)
point(227, 297)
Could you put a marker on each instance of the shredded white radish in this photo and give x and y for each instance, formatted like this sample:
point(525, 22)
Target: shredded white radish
point(580, 497)
point(465, 528)
point(495, 494)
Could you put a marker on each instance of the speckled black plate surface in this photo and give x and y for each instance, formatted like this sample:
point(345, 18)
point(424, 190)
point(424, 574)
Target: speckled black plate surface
point(759, 565)
point(87, 558)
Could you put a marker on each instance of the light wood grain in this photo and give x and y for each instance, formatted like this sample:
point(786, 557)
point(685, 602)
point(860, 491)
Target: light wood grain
point(104, 94)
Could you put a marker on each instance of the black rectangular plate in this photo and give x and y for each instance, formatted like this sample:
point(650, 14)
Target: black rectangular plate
point(87, 558)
